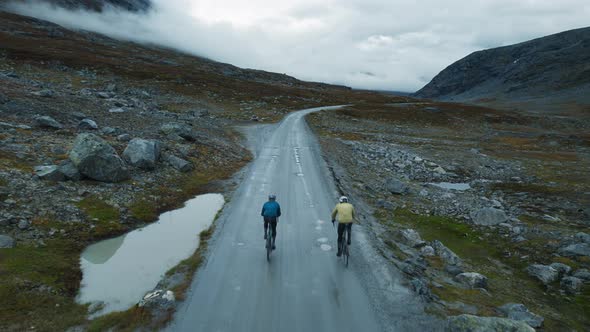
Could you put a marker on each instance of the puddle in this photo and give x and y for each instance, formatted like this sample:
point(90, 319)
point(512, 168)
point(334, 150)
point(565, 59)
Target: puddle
point(322, 240)
point(119, 271)
point(326, 247)
point(452, 186)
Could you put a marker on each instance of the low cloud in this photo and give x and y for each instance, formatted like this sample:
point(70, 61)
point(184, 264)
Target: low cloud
point(376, 44)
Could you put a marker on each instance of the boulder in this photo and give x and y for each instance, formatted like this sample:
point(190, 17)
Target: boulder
point(50, 173)
point(489, 217)
point(582, 237)
point(6, 242)
point(427, 251)
point(446, 254)
point(47, 122)
point(519, 312)
point(178, 129)
point(577, 249)
point(124, 137)
point(561, 268)
point(179, 163)
point(87, 124)
point(571, 285)
point(583, 274)
point(470, 323)
point(108, 131)
point(472, 280)
point(545, 273)
point(96, 159)
point(142, 153)
point(411, 238)
point(396, 187)
point(69, 170)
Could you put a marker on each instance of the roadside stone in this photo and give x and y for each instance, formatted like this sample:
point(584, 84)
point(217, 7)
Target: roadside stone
point(453, 270)
point(411, 238)
point(578, 249)
point(87, 124)
point(23, 224)
point(104, 95)
point(96, 159)
point(445, 253)
point(117, 110)
point(472, 280)
point(439, 170)
point(124, 138)
point(427, 251)
point(49, 173)
point(396, 187)
point(470, 323)
point(45, 93)
point(108, 131)
point(546, 274)
point(583, 274)
point(47, 122)
point(582, 237)
point(383, 204)
point(159, 303)
point(142, 153)
point(79, 115)
point(178, 129)
point(571, 285)
point(561, 268)
point(69, 170)
point(179, 163)
point(519, 312)
point(6, 242)
point(489, 217)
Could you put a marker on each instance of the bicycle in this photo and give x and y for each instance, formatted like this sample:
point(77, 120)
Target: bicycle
point(343, 246)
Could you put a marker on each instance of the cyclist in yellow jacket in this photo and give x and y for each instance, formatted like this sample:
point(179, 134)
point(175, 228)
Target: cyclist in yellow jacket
point(344, 212)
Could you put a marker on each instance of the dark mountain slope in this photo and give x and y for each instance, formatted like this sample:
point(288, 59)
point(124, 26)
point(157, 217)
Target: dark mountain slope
point(553, 70)
point(98, 5)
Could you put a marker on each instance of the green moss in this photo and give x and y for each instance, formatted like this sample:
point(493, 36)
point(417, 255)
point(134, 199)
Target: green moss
point(98, 209)
point(129, 320)
point(25, 271)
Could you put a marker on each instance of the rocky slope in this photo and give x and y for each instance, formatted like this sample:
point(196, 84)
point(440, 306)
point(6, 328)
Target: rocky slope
point(97, 5)
point(549, 70)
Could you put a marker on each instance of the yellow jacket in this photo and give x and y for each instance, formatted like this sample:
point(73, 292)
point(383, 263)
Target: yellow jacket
point(345, 213)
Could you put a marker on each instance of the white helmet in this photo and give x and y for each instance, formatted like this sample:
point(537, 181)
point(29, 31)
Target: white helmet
point(343, 199)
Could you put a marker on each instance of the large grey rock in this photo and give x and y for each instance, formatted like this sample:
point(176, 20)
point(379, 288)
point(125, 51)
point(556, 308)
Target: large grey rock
point(577, 249)
point(446, 254)
point(47, 122)
point(411, 238)
point(6, 242)
point(142, 153)
point(583, 274)
point(561, 268)
point(470, 323)
point(96, 159)
point(472, 280)
point(396, 187)
point(582, 237)
point(69, 170)
point(87, 124)
point(571, 285)
point(179, 163)
point(518, 311)
point(50, 173)
point(178, 129)
point(489, 217)
point(545, 273)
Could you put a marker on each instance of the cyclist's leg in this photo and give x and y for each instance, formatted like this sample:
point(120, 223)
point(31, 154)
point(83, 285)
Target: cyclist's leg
point(340, 233)
point(349, 230)
point(265, 227)
point(273, 224)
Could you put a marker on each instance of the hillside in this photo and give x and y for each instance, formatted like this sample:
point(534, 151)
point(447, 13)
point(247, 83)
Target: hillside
point(549, 72)
point(98, 5)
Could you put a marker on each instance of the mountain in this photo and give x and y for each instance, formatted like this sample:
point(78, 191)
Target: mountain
point(549, 72)
point(99, 5)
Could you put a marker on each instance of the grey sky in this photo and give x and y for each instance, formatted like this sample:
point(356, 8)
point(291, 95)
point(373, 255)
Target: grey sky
point(378, 44)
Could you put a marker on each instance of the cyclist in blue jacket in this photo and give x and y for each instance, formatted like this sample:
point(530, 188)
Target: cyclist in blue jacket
point(271, 211)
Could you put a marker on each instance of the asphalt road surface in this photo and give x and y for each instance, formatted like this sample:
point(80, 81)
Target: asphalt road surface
point(304, 287)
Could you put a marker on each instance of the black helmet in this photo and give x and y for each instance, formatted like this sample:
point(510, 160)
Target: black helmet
point(272, 197)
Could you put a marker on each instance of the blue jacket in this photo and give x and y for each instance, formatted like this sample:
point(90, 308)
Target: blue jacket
point(271, 209)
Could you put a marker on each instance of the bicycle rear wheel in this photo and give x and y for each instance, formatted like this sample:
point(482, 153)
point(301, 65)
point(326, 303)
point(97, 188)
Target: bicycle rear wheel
point(268, 245)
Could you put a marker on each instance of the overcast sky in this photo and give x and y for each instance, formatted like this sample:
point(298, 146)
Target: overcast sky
point(378, 44)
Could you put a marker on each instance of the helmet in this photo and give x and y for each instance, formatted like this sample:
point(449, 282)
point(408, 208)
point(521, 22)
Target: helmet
point(272, 197)
point(343, 199)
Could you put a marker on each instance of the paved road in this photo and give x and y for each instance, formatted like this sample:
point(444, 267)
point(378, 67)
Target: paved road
point(304, 287)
